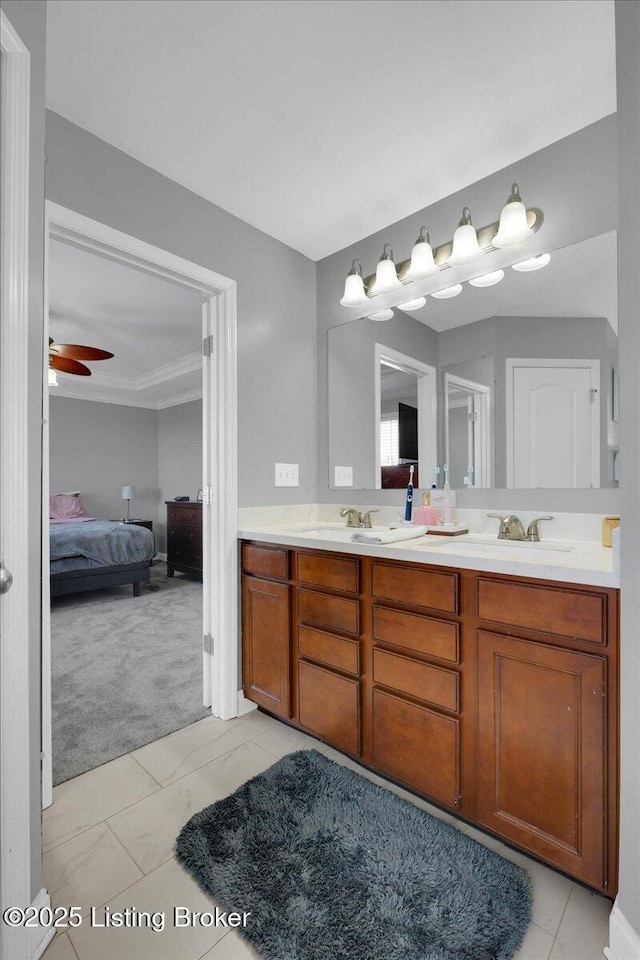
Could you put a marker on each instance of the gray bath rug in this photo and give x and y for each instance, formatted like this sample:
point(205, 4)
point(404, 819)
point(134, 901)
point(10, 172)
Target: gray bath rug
point(334, 866)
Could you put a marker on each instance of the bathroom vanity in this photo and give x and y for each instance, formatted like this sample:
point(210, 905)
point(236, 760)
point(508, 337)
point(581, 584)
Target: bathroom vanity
point(492, 695)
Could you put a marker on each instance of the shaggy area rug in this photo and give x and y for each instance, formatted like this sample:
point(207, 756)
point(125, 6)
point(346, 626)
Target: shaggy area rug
point(334, 866)
point(124, 670)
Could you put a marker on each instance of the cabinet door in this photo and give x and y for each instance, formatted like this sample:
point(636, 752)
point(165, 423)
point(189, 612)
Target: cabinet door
point(266, 648)
point(330, 706)
point(542, 751)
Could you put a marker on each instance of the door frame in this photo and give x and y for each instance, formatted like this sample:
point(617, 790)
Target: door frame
point(219, 518)
point(512, 363)
point(481, 429)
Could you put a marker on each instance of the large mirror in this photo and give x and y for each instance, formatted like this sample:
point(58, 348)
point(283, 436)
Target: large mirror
point(512, 385)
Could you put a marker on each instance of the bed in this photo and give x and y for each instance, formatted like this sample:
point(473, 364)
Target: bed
point(91, 554)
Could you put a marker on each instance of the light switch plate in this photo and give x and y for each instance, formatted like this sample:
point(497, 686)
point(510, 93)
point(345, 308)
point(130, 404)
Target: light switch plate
point(286, 474)
point(343, 476)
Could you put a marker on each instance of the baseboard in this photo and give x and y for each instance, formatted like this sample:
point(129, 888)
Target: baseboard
point(244, 705)
point(28, 942)
point(624, 942)
point(161, 556)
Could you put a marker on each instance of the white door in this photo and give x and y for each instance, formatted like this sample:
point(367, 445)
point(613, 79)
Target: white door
point(553, 423)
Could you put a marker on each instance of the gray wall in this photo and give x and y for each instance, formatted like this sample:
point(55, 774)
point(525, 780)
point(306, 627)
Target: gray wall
point(29, 20)
point(628, 69)
point(276, 297)
point(575, 183)
point(179, 459)
point(97, 448)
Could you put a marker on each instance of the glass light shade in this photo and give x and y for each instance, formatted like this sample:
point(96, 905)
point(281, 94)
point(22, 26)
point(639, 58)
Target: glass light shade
point(381, 315)
point(533, 263)
point(487, 279)
point(386, 278)
point(354, 292)
point(448, 292)
point(513, 228)
point(422, 263)
point(53, 377)
point(413, 304)
point(465, 245)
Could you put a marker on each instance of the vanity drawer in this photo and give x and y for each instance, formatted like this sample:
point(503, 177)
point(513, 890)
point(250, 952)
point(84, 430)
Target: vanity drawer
point(416, 586)
point(334, 573)
point(265, 561)
point(575, 614)
point(435, 638)
point(190, 515)
point(334, 613)
point(417, 746)
point(338, 652)
point(329, 706)
point(436, 685)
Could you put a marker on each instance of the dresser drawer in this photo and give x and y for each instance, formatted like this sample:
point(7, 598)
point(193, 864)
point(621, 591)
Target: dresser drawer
point(333, 613)
point(435, 638)
point(265, 561)
point(338, 652)
point(416, 586)
point(423, 681)
point(190, 516)
point(574, 614)
point(334, 573)
point(182, 536)
point(329, 706)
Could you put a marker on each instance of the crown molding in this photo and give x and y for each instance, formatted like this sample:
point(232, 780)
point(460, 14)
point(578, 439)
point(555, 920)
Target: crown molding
point(169, 371)
point(72, 392)
point(179, 398)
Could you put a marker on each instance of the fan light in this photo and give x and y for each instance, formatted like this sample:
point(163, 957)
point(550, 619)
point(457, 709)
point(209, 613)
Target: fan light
point(53, 377)
point(381, 315)
point(533, 263)
point(448, 292)
point(354, 293)
point(413, 304)
point(386, 274)
point(487, 279)
point(465, 241)
point(422, 263)
point(514, 227)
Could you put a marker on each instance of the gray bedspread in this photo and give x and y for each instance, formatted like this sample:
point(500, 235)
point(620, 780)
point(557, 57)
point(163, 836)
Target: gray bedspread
point(105, 542)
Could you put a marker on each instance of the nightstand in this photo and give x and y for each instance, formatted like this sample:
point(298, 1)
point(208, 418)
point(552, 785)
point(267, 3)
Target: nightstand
point(141, 523)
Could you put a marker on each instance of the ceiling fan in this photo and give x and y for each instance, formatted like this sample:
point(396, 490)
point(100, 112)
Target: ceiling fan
point(66, 357)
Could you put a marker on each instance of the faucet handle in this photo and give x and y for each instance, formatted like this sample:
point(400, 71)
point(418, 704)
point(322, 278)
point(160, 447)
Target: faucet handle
point(353, 516)
point(365, 519)
point(497, 516)
point(533, 535)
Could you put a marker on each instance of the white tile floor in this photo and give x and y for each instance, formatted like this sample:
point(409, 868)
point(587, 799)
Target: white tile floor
point(110, 833)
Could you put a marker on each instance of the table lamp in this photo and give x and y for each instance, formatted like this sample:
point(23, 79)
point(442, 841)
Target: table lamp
point(128, 494)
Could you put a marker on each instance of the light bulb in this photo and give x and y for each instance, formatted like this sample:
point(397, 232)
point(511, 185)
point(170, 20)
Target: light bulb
point(53, 377)
point(533, 263)
point(354, 293)
point(422, 263)
point(386, 274)
point(448, 292)
point(514, 227)
point(381, 315)
point(487, 279)
point(413, 304)
point(465, 241)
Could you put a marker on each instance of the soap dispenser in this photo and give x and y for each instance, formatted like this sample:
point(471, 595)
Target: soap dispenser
point(426, 515)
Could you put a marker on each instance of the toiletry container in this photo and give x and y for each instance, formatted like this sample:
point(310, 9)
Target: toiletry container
point(426, 514)
point(437, 501)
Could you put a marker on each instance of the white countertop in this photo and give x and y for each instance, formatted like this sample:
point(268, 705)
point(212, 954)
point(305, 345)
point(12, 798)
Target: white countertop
point(573, 561)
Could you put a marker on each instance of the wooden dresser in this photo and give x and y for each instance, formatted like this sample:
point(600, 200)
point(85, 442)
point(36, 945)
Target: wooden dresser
point(184, 537)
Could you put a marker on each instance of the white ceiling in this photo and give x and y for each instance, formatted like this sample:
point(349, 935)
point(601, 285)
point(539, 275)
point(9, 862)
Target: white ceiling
point(152, 326)
point(323, 121)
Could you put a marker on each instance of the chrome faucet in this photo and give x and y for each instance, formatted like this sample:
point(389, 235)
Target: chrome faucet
point(365, 519)
point(510, 527)
point(357, 519)
point(533, 535)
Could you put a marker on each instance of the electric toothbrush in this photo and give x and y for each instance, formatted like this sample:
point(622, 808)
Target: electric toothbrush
point(409, 503)
point(448, 511)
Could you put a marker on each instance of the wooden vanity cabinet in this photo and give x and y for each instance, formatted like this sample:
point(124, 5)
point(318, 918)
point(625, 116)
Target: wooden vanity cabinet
point(493, 696)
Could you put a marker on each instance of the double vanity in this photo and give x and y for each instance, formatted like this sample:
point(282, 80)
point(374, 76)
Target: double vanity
point(479, 673)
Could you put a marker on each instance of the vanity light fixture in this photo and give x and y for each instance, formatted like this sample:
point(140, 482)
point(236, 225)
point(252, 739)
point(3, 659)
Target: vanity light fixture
point(448, 292)
point(386, 274)
point(416, 304)
point(354, 292)
point(487, 279)
point(381, 315)
point(533, 263)
point(422, 263)
point(465, 241)
point(53, 378)
point(514, 227)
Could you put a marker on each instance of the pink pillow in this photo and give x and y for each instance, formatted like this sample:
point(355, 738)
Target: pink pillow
point(65, 506)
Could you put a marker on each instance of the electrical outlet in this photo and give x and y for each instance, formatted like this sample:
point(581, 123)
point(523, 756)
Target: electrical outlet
point(286, 474)
point(343, 476)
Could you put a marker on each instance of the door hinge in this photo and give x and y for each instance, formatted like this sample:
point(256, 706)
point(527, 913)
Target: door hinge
point(592, 394)
point(207, 496)
point(472, 417)
point(207, 644)
point(207, 346)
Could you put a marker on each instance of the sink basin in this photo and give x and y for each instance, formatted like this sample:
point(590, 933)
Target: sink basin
point(504, 549)
point(345, 534)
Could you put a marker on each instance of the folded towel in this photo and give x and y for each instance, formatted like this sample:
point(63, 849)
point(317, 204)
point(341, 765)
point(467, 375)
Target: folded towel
point(389, 536)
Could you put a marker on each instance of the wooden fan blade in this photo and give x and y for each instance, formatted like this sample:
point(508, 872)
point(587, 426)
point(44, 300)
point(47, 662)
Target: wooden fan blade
point(76, 351)
point(67, 365)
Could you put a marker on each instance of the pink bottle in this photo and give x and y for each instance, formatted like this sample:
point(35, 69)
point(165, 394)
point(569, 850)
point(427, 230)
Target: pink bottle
point(426, 515)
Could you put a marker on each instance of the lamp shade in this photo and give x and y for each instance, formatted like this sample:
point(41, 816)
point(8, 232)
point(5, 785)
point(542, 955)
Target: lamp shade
point(488, 279)
point(52, 379)
point(465, 241)
point(355, 294)
point(514, 227)
point(533, 263)
point(381, 315)
point(128, 493)
point(422, 263)
point(448, 292)
point(386, 274)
